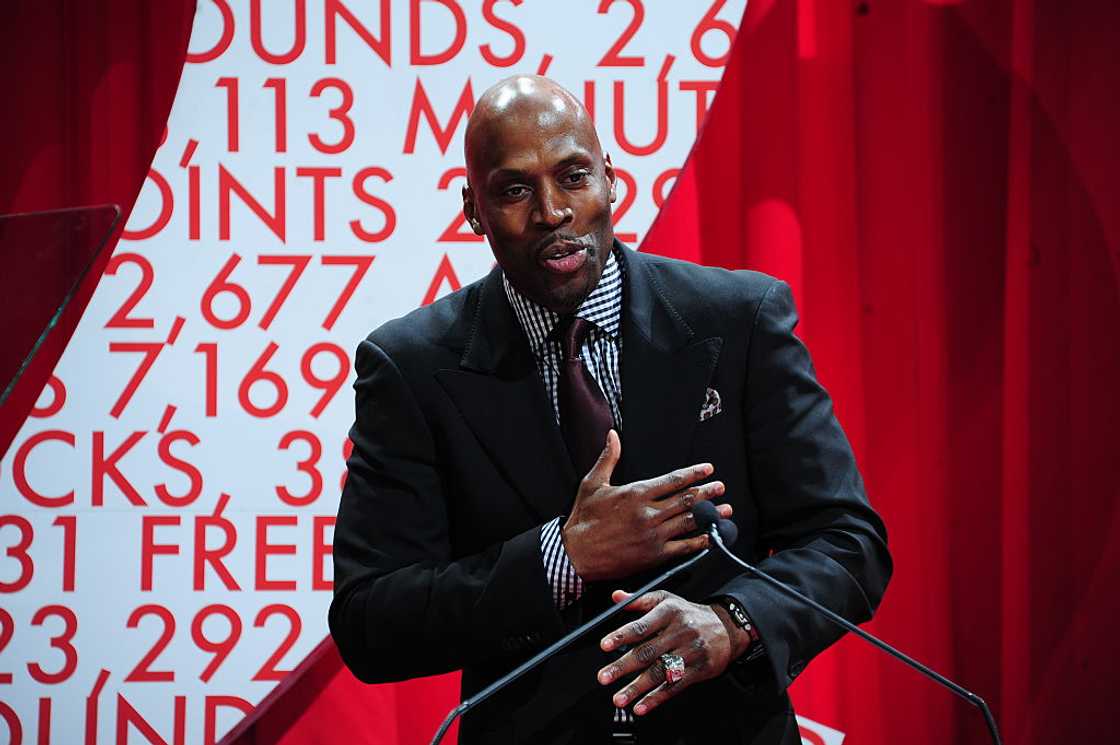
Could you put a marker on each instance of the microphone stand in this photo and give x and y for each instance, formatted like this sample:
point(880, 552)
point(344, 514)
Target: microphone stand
point(558, 646)
point(967, 695)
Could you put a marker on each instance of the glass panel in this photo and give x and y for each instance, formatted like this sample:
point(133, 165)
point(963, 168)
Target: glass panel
point(44, 255)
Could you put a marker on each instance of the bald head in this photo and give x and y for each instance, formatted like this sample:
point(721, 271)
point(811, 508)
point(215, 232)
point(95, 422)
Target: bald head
point(524, 101)
point(540, 189)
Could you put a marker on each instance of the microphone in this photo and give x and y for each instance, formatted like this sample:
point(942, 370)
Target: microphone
point(729, 534)
point(707, 517)
point(723, 532)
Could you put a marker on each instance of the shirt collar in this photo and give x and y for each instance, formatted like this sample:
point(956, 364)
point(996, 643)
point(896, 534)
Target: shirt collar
point(603, 307)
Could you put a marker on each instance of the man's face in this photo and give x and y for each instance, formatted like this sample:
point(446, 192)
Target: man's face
point(541, 191)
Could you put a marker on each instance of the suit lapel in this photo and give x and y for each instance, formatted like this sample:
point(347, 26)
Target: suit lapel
point(665, 374)
point(501, 396)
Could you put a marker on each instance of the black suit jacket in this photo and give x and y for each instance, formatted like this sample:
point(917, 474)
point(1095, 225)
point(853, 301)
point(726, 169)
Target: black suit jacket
point(458, 461)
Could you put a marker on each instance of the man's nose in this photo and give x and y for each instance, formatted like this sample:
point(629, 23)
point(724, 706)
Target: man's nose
point(551, 209)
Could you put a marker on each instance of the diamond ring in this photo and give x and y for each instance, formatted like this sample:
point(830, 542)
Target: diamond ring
point(673, 664)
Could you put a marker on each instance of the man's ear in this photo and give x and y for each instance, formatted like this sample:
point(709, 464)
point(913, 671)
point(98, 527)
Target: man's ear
point(608, 169)
point(468, 210)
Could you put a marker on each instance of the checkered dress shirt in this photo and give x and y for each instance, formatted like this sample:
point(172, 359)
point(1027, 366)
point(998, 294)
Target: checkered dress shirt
point(602, 352)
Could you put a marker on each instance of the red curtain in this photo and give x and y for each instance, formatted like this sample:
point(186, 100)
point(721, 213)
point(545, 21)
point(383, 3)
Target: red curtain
point(92, 85)
point(937, 181)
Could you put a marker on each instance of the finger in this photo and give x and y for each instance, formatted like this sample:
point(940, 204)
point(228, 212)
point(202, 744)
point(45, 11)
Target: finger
point(601, 472)
point(682, 524)
point(693, 673)
point(674, 481)
point(651, 622)
point(652, 677)
point(683, 502)
point(647, 602)
point(661, 694)
point(642, 656)
point(685, 546)
point(686, 522)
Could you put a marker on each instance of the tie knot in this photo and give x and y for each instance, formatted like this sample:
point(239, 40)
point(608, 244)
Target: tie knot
point(573, 332)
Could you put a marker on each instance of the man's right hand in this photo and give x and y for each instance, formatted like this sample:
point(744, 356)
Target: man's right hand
point(616, 531)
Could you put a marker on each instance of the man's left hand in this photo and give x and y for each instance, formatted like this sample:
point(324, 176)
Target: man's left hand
point(669, 625)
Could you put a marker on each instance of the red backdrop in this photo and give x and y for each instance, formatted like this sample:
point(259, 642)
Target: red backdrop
point(937, 181)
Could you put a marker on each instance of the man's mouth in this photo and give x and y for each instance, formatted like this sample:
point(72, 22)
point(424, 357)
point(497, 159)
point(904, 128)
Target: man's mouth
point(563, 257)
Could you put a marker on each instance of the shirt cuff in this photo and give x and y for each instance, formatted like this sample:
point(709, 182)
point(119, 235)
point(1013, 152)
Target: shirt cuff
point(566, 584)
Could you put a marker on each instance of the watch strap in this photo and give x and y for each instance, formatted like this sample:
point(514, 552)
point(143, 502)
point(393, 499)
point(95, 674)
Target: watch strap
point(742, 619)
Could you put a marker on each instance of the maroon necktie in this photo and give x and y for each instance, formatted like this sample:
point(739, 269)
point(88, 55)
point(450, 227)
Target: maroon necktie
point(585, 415)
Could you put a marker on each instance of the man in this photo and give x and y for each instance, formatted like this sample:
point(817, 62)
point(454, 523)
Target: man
point(491, 504)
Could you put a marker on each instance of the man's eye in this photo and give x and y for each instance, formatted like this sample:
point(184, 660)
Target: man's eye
point(515, 192)
point(576, 177)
